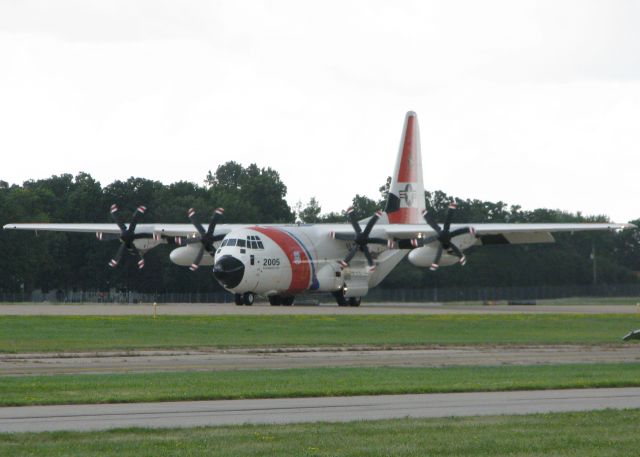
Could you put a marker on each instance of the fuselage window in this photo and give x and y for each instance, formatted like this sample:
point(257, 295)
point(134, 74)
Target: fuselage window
point(260, 245)
point(242, 243)
point(254, 245)
point(224, 243)
point(232, 242)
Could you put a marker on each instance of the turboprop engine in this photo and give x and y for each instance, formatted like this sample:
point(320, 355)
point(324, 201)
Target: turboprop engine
point(185, 256)
point(426, 257)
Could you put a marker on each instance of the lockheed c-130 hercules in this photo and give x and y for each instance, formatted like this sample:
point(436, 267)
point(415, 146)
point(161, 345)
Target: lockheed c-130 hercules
point(281, 261)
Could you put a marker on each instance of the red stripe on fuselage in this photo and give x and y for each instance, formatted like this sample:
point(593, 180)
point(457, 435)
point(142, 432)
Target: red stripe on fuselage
point(300, 271)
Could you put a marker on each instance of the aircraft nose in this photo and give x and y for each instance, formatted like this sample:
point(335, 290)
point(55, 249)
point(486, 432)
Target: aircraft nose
point(228, 271)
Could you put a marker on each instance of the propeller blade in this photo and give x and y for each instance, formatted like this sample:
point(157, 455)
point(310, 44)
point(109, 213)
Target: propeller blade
point(462, 231)
point(367, 254)
point(449, 216)
point(196, 262)
point(361, 239)
point(115, 215)
point(371, 223)
point(436, 261)
point(456, 250)
point(118, 257)
point(141, 261)
point(192, 217)
point(207, 238)
point(345, 263)
point(429, 240)
point(430, 220)
point(127, 235)
point(214, 220)
point(140, 210)
point(351, 215)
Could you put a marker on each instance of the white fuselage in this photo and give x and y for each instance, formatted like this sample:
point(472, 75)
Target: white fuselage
point(286, 260)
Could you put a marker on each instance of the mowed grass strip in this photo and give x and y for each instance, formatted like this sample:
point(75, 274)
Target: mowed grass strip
point(585, 434)
point(94, 333)
point(316, 382)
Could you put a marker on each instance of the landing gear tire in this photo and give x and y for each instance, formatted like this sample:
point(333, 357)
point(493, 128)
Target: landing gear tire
point(354, 301)
point(275, 300)
point(288, 301)
point(340, 298)
point(247, 298)
point(238, 299)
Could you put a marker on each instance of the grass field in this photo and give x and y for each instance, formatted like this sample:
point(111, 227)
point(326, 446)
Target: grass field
point(316, 382)
point(598, 301)
point(590, 434)
point(92, 333)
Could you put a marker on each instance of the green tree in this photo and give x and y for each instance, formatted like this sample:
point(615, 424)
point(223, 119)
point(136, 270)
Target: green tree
point(310, 214)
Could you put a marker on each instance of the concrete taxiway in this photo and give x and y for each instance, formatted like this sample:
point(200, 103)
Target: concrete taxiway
point(223, 309)
point(295, 410)
point(255, 358)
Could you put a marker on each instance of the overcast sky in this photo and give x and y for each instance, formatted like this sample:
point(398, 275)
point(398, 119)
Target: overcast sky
point(533, 103)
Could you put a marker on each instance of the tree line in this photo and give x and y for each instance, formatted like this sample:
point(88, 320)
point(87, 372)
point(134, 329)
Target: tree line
point(51, 261)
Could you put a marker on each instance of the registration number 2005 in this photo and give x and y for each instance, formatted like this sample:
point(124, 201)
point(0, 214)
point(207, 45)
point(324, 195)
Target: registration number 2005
point(271, 262)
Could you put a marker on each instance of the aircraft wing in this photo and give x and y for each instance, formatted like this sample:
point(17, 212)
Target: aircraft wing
point(486, 233)
point(169, 230)
point(504, 233)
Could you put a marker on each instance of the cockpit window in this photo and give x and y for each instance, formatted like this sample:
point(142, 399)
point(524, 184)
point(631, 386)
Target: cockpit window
point(251, 242)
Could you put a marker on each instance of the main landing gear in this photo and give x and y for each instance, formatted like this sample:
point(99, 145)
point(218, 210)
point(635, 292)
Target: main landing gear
point(341, 300)
point(244, 299)
point(277, 300)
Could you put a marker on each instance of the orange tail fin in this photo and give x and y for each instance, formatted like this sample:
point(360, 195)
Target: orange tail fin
point(406, 193)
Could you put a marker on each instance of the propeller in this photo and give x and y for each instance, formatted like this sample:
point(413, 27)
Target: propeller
point(206, 238)
point(360, 239)
point(127, 235)
point(444, 236)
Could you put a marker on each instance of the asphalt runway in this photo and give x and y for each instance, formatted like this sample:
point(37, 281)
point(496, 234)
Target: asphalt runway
point(246, 359)
point(215, 309)
point(298, 410)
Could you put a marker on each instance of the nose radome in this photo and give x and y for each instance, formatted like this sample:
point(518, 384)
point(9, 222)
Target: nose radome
point(228, 271)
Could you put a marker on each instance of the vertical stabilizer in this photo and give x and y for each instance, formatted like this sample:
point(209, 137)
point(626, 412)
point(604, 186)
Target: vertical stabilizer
point(406, 193)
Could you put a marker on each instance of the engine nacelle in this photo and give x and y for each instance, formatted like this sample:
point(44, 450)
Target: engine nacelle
point(426, 255)
point(186, 255)
point(146, 244)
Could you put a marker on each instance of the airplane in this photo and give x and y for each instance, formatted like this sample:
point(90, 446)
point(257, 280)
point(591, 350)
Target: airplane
point(282, 261)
